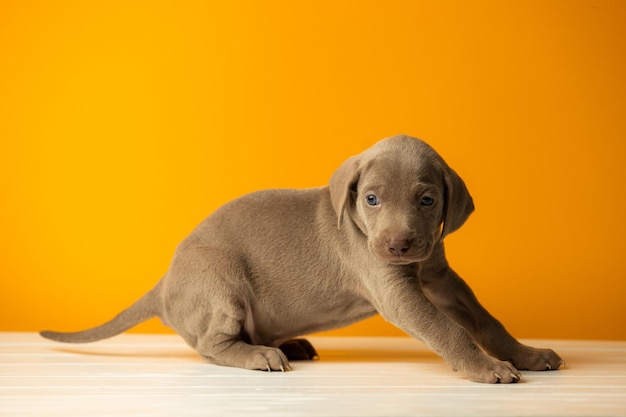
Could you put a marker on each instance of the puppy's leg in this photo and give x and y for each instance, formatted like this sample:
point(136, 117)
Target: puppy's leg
point(205, 303)
point(400, 300)
point(216, 333)
point(456, 299)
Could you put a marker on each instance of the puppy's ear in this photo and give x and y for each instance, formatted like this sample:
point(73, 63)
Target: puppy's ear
point(342, 182)
point(458, 205)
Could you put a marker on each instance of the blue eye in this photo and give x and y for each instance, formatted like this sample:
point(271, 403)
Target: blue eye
point(427, 201)
point(372, 200)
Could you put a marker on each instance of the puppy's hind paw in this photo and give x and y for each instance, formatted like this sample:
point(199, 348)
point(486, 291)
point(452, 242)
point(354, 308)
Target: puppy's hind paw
point(299, 350)
point(513, 378)
point(268, 359)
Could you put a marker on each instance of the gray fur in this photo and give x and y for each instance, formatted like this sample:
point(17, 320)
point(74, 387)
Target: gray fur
point(276, 264)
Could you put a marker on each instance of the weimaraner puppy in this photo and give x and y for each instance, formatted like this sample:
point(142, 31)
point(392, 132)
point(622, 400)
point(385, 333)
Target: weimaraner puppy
point(276, 264)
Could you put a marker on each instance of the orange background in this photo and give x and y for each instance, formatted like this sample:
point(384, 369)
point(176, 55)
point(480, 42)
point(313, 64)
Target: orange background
point(124, 123)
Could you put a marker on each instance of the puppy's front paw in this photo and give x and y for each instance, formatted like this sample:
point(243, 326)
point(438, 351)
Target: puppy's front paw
point(533, 359)
point(493, 371)
point(267, 359)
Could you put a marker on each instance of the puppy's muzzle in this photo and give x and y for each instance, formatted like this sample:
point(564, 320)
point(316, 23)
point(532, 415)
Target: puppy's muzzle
point(399, 247)
point(401, 250)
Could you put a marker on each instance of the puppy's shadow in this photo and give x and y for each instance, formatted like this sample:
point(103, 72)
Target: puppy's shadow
point(376, 355)
point(355, 349)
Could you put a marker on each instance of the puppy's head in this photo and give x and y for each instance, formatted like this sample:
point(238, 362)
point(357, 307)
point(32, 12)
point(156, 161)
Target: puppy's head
point(403, 196)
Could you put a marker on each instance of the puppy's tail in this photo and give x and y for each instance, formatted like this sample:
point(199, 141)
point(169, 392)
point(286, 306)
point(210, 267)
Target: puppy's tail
point(143, 309)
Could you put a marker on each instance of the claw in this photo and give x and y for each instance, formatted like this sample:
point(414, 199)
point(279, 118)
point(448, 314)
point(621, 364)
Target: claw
point(267, 368)
point(562, 364)
point(516, 378)
point(548, 367)
point(282, 368)
point(498, 376)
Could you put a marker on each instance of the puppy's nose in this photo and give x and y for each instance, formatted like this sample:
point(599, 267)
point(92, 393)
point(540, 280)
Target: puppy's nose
point(399, 247)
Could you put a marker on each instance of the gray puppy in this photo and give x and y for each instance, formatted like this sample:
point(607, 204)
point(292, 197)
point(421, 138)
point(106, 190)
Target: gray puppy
point(277, 264)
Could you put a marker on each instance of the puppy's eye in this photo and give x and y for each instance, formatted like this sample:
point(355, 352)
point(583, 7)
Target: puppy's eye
point(372, 200)
point(427, 201)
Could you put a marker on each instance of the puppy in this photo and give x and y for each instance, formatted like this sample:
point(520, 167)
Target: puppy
point(277, 264)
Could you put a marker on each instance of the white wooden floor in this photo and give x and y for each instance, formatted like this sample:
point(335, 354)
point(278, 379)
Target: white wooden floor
point(158, 375)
